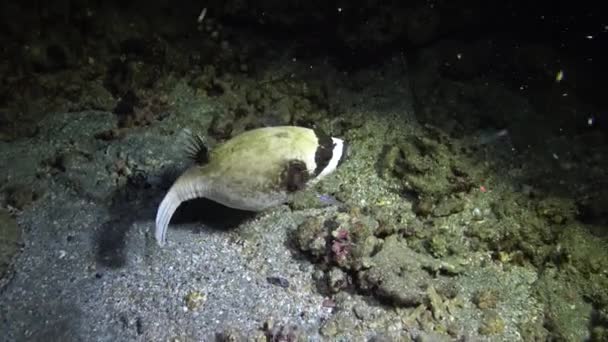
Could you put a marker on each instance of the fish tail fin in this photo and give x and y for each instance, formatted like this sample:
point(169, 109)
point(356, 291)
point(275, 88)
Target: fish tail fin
point(190, 185)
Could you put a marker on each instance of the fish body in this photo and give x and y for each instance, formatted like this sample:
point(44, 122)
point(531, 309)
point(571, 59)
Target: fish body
point(254, 171)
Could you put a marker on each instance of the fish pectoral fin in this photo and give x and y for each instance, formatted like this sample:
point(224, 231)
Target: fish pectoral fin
point(294, 176)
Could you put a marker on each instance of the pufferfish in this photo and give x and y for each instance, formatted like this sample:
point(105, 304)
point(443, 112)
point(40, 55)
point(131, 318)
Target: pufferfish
point(253, 171)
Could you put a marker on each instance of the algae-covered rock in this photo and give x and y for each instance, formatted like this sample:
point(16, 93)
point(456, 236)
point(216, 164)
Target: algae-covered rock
point(424, 206)
point(442, 243)
point(567, 314)
point(10, 235)
point(337, 279)
point(556, 209)
point(401, 275)
point(439, 245)
point(599, 333)
point(515, 231)
point(587, 253)
point(353, 241)
point(533, 330)
point(575, 293)
point(486, 298)
point(436, 302)
point(346, 239)
point(448, 206)
point(430, 169)
point(492, 324)
point(340, 323)
point(312, 236)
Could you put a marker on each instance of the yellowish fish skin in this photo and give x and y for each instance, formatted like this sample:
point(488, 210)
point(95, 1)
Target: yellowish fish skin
point(248, 171)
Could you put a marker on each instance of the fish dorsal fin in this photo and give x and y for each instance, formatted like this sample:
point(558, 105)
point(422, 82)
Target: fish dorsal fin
point(196, 148)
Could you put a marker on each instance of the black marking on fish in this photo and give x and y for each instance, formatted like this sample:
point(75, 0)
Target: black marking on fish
point(325, 151)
